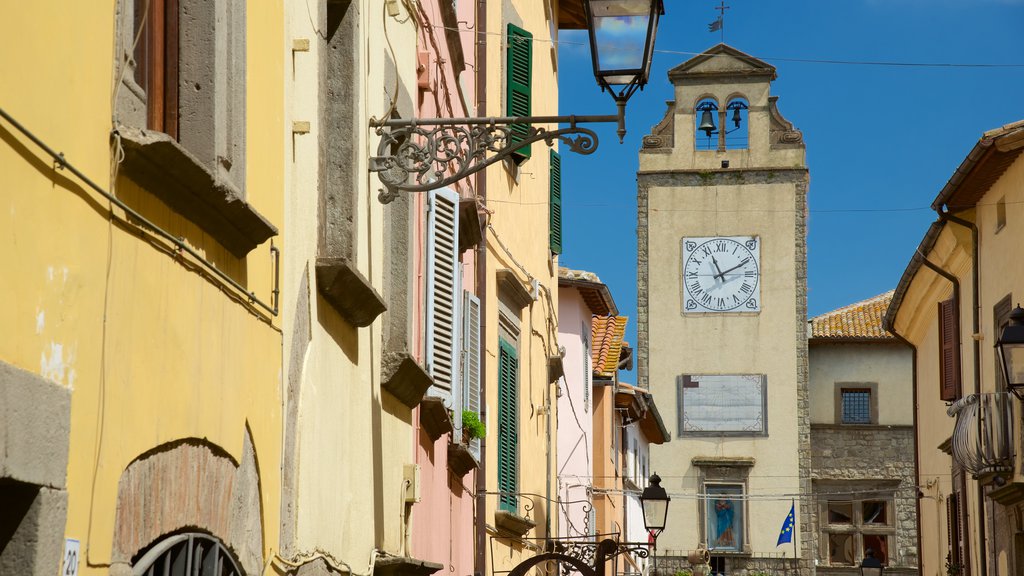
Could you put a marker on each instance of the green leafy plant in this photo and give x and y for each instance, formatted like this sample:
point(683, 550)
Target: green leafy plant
point(684, 572)
point(759, 573)
point(472, 426)
point(952, 568)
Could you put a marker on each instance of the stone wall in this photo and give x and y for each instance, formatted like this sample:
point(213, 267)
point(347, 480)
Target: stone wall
point(868, 456)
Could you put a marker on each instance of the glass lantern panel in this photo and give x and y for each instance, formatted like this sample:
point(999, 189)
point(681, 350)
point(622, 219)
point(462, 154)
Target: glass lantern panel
point(620, 33)
point(654, 514)
point(1014, 362)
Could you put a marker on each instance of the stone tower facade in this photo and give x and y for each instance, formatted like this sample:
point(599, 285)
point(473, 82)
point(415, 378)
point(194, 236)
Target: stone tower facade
point(722, 206)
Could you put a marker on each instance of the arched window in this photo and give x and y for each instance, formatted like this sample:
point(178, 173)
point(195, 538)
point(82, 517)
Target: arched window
point(706, 125)
point(191, 554)
point(737, 135)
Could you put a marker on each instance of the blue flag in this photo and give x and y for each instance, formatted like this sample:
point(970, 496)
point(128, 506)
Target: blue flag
point(786, 533)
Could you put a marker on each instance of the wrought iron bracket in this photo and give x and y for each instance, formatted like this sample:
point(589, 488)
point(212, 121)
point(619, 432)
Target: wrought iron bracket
point(418, 155)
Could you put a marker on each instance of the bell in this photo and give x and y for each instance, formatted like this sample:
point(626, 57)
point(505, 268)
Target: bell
point(736, 117)
point(707, 123)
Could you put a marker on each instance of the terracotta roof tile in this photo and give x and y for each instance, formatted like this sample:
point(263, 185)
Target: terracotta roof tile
point(859, 321)
point(606, 338)
point(569, 274)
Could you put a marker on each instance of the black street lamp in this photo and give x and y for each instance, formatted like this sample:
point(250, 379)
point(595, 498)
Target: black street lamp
point(421, 154)
point(1010, 348)
point(654, 500)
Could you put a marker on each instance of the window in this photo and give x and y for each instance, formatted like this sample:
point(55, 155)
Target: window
point(725, 516)
point(726, 404)
point(949, 350)
point(856, 402)
point(442, 291)
point(957, 555)
point(1000, 319)
point(853, 526)
point(186, 78)
point(470, 382)
point(187, 555)
point(519, 85)
point(856, 406)
point(1000, 214)
point(508, 425)
point(555, 186)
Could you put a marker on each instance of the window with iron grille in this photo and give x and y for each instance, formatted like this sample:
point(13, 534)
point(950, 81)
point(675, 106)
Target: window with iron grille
point(856, 406)
point(190, 554)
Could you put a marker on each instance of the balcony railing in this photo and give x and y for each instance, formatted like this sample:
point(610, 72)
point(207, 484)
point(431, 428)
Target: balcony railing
point(983, 437)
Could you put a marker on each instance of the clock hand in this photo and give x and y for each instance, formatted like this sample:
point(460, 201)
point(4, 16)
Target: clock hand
point(719, 275)
point(741, 264)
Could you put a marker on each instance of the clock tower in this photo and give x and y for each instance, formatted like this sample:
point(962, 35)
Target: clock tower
point(722, 208)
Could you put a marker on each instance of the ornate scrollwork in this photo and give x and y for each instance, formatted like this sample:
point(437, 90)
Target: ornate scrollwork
point(587, 552)
point(418, 158)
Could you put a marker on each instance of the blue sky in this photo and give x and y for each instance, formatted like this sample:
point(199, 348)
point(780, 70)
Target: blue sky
point(881, 140)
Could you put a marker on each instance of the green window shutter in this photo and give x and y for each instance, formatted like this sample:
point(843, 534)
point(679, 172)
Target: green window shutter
point(519, 82)
point(556, 202)
point(508, 426)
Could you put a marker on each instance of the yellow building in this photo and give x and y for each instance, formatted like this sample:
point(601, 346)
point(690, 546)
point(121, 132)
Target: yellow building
point(140, 356)
point(951, 304)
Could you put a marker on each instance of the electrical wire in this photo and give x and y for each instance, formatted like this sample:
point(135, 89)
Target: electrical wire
point(887, 63)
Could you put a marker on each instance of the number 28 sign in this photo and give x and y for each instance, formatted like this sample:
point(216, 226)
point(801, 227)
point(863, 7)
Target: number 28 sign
point(71, 549)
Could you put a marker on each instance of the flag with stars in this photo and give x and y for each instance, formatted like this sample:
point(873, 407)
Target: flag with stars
point(786, 533)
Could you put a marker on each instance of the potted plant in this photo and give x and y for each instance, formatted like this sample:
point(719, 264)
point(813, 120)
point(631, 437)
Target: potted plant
point(472, 427)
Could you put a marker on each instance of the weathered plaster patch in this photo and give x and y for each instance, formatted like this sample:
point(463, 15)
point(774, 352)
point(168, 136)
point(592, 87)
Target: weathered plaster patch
point(56, 366)
point(40, 321)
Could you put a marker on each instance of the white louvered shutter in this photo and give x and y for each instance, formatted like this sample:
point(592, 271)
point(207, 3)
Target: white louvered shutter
point(471, 361)
point(442, 289)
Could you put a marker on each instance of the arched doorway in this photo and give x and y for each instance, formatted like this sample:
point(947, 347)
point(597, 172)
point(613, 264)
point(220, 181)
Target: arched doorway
point(189, 554)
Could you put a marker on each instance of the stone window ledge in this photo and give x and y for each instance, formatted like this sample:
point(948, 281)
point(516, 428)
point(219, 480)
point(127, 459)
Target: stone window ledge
point(348, 291)
point(434, 418)
point(162, 166)
point(460, 459)
point(403, 566)
point(405, 379)
point(513, 524)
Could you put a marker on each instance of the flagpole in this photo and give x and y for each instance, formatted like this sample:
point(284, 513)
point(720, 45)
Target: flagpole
point(796, 562)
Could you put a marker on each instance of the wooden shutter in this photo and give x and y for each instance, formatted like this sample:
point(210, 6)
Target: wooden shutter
point(156, 63)
point(519, 84)
point(442, 289)
point(471, 361)
point(555, 185)
point(508, 425)
point(949, 350)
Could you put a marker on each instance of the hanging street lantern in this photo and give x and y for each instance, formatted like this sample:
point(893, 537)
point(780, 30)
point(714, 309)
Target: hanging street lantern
point(1010, 348)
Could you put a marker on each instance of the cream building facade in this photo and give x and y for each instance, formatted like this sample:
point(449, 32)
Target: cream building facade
point(723, 344)
point(951, 305)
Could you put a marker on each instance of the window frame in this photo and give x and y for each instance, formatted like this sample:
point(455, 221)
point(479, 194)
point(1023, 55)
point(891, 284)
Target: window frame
point(870, 387)
point(857, 527)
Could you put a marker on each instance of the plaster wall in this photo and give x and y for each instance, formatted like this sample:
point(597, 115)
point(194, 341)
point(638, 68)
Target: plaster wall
point(151, 350)
point(518, 197)
point(887, 364)
point(575, 422)
point(349, 440)
point(608, 499)
point(443, 520)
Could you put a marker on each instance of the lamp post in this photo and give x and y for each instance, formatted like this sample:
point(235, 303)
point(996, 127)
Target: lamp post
point(654, 500)
point(421, 154)
point(1010, 347)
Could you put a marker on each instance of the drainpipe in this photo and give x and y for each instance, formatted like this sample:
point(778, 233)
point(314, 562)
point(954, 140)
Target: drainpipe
point(956, 298)
point(480, 67)
point(975, 329)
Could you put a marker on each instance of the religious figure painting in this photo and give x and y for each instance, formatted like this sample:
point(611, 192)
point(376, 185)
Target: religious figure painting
point(725, 517)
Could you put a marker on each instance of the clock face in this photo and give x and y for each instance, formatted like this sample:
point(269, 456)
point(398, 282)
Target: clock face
point(721, 274)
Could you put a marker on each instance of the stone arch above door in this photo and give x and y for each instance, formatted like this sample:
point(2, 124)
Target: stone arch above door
point(184, 485)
